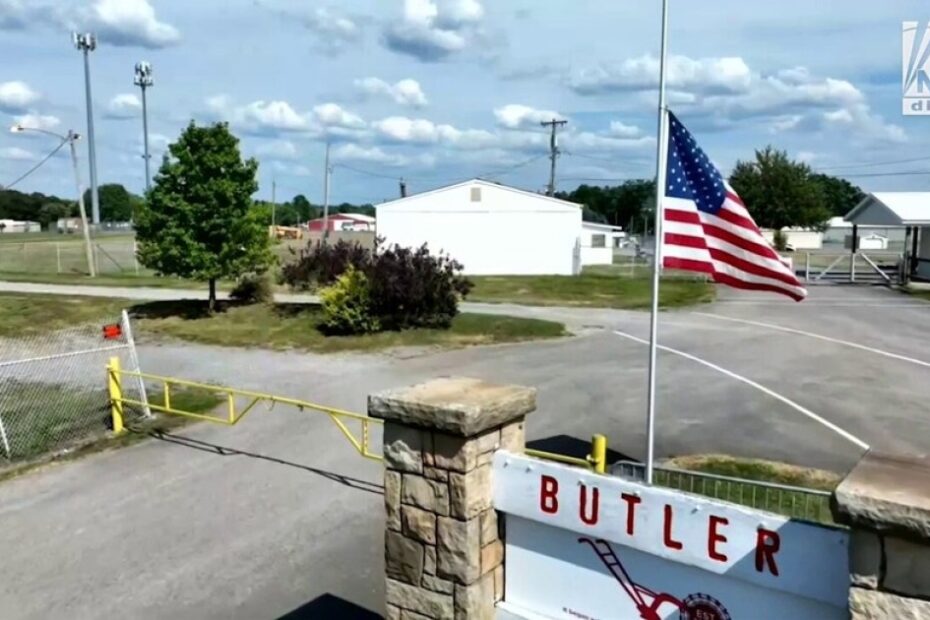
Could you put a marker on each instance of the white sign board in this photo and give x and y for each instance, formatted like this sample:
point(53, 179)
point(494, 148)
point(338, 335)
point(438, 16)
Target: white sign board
point(581, 545)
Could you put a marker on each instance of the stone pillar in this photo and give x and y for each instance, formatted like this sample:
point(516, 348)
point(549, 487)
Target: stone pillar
point(885, 501)
point(444, 548)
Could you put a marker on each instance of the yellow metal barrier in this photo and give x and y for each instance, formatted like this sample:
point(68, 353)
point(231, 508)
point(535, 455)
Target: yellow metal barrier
point(596, 461)
point(115, 389)
point(233, 414)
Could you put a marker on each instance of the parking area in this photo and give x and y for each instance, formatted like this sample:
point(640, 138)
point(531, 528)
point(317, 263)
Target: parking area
point(278, 514)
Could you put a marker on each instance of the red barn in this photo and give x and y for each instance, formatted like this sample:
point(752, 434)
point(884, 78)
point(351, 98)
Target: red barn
point(352, 222)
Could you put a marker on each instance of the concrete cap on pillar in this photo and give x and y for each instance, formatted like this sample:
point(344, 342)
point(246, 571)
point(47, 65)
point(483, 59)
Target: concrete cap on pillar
point(454, 405)
point(886, 494)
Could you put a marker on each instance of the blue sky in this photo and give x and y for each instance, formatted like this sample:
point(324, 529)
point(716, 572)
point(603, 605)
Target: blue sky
point(437, 91)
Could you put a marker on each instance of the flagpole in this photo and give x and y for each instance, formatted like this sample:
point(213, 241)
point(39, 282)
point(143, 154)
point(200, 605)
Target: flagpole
point(661, 155)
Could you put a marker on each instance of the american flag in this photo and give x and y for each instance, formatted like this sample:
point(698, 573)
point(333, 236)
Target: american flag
point(707, 228)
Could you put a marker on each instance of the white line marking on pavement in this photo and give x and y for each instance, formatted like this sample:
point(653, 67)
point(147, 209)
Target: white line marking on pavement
point(800, 332)
point(830, 425)
point(828, 304)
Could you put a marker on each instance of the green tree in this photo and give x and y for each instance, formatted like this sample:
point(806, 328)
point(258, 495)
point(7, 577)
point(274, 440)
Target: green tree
point(115, 202)
point(51, 212)
point(620, 205)
point(779, 192)
point(841, 195)
point(199, 221)
point(305, 210)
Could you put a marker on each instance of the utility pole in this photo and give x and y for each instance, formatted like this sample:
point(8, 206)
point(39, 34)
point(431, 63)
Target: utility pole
point(88, 253)
point(274, 202)
point(327, 173)
point(554, 124)
point(86, 43)
point(144, 80)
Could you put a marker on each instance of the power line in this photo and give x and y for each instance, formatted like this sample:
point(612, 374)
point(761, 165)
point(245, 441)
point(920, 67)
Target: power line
point(366, 172)
point(37, 166)
point(502, 171)
point(903, 173)
point(875, 163)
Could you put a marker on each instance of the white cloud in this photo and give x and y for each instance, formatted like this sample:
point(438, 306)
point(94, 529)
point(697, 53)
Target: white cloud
point(38, 121)
point(15, 153)
point(517, 116)
point(619, 129)
point(123, 106)
point(589, 141)
point(333, 32)
point(333, 115)
point(261, 116)
point(431, 30)
point(422, 131)
point(405, 92)
point(127, 23)
point(17, 96)
point(730, 74)
point(278, 149)
point(374, 154)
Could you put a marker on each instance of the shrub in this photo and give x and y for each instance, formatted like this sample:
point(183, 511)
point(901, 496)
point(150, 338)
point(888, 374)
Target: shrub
point(780, 240)
point(347, 305)
point(413, 288)
point(320, 264)
point(253, 288)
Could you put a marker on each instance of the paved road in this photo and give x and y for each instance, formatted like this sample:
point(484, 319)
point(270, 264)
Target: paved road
point(167, 530)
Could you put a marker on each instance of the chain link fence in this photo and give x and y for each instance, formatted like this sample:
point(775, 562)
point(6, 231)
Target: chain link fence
point(110, 256)
point(53, 387)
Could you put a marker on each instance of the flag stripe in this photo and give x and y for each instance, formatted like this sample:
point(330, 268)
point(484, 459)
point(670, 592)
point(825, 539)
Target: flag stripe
point(726, 274)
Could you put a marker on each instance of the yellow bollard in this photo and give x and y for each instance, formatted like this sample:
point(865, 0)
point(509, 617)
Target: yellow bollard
point(115, 390)
point(598, 457)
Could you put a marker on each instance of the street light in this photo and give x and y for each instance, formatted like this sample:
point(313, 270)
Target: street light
point(71, 138)
point(86, 43)
point(144, 80)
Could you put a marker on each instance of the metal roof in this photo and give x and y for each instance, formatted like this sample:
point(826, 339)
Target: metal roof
point(892, 209)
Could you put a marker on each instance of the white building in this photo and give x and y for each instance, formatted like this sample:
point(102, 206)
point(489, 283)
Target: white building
point(797, 238)
point(491, 229)
point(17, 226)
point(839, 232)
point(907, 211)
point(598, 242)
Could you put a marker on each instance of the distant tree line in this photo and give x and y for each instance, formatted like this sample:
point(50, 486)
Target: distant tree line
point(117, 204)
point(777, 191)
point(299, 210)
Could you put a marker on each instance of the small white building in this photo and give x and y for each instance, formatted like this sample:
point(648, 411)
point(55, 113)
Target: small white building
point(797, 238)
point(598, 242)
point(839, 232)
point(490, 228)
point(18, 226)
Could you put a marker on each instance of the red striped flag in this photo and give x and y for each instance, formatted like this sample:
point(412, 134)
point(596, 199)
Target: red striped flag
point(706, 227)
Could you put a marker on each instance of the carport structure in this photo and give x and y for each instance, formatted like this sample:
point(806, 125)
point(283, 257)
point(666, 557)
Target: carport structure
point(910, 210)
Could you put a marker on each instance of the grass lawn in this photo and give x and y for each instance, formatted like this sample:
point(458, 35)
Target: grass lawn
point(23, 315)
point(593, 288)
point(790, 503)
point(295, 326)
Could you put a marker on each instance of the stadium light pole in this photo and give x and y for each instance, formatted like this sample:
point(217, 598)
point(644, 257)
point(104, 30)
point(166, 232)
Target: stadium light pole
point(86, 43)
point(144, 80)
point(71, 138)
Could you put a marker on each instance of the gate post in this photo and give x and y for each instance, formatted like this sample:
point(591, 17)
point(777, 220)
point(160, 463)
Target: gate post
point(444, 551)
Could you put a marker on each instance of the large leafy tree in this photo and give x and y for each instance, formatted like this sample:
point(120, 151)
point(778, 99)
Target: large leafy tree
point(198, 221)
point(840, 194)
point(779, 192)
point(116, 203)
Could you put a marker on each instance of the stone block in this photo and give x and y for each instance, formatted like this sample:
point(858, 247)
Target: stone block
point(434, 473)
point(403, 448)
point(488, 520)
point(907, 567)
point(433, 605)
point(489, 441)
point(875, 605)
point(476, 601)
point(484, 459)
point(513, 436)
point(435, 584)
point(454, 453)
point(865, 558)
point(426, 494)
point(499, 583)
point(392, 613)
point(886, 494)
point(419, 524)
point(492, 556)
point(470, 494)
point(412, 615)
point(392, 483)
point(458, 555)
point(403, 558)
point(458, 406)
point(429, 560)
